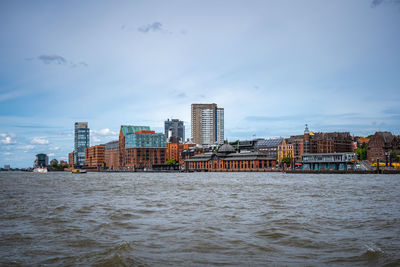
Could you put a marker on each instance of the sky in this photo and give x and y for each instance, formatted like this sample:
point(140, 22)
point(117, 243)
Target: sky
point(273, 66)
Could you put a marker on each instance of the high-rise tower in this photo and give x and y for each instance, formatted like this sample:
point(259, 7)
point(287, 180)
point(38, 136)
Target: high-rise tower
point(82, 141)
point(207, 124)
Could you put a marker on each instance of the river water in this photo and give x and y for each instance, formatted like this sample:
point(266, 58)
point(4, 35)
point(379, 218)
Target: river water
point(158, 219)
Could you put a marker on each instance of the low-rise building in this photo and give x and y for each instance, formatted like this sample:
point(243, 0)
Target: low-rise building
point(329, 161)
point(42, 160)
point(227, 159)
point(71, 160)
point(380, 145)
point(285, 150)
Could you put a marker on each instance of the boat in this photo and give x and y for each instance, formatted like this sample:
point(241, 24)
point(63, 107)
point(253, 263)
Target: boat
point(78, 171)
point(40, 169)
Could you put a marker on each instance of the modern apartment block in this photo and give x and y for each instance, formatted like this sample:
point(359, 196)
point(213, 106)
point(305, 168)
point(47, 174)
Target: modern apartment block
point(207, 124)
point(177, 128)
point(82, 141)
point(141, 147)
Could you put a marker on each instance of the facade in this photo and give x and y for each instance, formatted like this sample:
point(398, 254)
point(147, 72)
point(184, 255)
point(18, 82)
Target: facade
point(140, 147)
point(53, 161)
point(174, 151)
point(207, 124)
point(310, 143)
point(71, 160)
point(269, 147)
point(95, 156)
point(285, 150)
point(380, 145)
point(111, 155)
point(42, 160)
point(177, 128)
point(226, 159)
point(82, 141)
point(329, 161)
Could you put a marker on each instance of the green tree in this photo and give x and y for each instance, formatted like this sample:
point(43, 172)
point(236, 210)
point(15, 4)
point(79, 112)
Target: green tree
point(362, 152)
point(171, 162)
point(286, 160)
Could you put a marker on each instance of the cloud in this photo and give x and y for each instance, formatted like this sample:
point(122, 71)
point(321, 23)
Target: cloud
point(26, 148)
point(7, 139)
point(376, 3)
point(7, 153)
point(95, 139)
point(182, 95)
point(50, 155)
point(104, 132)
point(55, 148)
point(48, 59)
point(58, 60)
point(154, 27)
point(39, 141)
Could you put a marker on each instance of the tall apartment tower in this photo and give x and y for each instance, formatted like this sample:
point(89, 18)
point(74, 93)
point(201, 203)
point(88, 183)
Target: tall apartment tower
point(207, 124)
point(82, 141)
point(177, 127)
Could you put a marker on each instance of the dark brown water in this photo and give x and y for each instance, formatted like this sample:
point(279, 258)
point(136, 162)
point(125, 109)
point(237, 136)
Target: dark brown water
point(152, 219)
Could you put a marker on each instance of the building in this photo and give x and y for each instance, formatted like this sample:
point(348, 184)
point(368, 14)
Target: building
point(269, 147)
point(285, 150)
point(320, 142)
point(7, 167)
point(380, 145)
point(329, 161)
point(63, 162)
point(95, 156)
point(140, 147)
point(207, 124)
point(174, 150)
point(227, 159)
point(82, 141)
point(71, 160)
point(53, 162)
point(111, 155)
point(42, 160)
point(177, 129)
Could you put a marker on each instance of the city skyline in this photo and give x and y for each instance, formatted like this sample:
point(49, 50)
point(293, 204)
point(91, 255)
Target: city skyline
point(273, 67)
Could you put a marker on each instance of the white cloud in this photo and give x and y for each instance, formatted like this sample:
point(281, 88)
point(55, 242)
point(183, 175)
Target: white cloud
point(55, 148)
point(50, 155)
point(39, 141)
point(104, 132)
point(27, 147)
point(7, 139)
point(95, 139)
point(7, 153)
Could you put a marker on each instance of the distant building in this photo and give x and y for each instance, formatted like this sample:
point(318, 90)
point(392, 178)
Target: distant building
point(54, 162)
point(227, 159)
point(310, 142)
point(285, 150)
point(380, 145)
point(269, 147)
point(174, 150)
point(112, 155)
point(7, 167)
point(175, 127)
point(82, 141)
point(63, 162)
point(95, 156)
point(140, 147)
point(329, 161)
point(207, 124)
point(42, 160)
point(71, 160)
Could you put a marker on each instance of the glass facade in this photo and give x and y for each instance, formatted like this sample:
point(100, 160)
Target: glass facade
point(82, 141)
point(177, 127)
point(145, 140)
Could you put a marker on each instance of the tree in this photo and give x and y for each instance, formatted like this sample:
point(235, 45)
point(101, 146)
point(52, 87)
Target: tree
point(172, 162)
point(286, 160)
point(362, 152)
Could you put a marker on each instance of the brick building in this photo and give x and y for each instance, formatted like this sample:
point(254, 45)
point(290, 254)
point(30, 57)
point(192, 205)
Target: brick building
point(111, 155)
point(379, 144)
point(95, 156)
point(140, 147)
point(226, 159)
point(71, 160)
point(174, 151)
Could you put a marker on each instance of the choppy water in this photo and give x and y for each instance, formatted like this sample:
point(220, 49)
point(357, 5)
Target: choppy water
point(153, 219)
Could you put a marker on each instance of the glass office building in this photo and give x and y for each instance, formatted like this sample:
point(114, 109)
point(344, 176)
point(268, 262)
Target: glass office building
point(82, 141)
point(176, 126)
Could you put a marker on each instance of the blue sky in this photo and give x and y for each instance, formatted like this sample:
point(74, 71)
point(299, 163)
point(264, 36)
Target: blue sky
point(273, 65)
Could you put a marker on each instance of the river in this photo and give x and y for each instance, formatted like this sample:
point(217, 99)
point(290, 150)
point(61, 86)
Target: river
point(181, 219)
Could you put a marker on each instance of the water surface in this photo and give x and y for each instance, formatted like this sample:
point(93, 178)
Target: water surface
point(157, 219)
